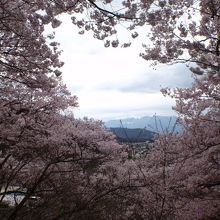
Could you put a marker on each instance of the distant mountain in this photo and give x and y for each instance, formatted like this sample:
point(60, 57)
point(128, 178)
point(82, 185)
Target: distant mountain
point(157, 124)
point(135, 135)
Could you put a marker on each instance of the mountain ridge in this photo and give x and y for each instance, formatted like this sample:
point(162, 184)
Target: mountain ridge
point(158, 124)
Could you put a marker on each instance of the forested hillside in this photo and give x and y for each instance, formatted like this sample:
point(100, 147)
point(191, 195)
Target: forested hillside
point(136, 135)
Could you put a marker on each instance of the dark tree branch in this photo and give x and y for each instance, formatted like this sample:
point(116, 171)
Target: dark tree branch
point(110, 14)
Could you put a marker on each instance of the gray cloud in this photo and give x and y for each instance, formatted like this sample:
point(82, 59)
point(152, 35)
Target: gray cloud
point(152, 81)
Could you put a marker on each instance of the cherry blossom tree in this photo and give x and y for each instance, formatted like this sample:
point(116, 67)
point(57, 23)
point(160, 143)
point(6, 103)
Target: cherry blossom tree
point(189, 161)
point(70, 170)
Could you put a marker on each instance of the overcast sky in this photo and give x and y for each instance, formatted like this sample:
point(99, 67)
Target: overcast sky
point(114, 83)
